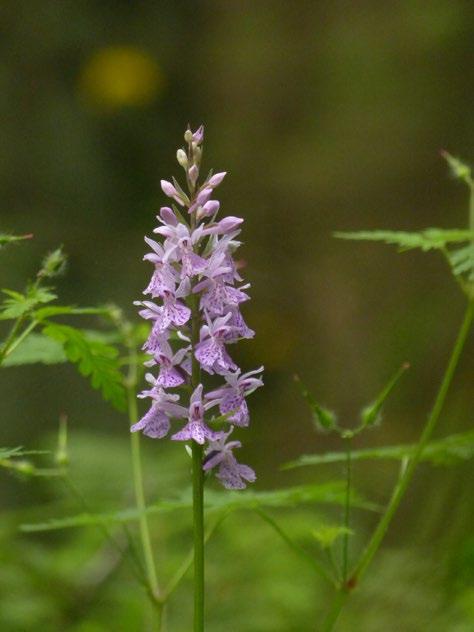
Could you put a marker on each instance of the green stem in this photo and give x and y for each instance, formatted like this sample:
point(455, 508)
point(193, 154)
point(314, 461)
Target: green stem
point(153, 587)
point(405, 479)
point(11, 338)
point(17, 341)
point(188, 560)
point(347, 512)
point(198, 491)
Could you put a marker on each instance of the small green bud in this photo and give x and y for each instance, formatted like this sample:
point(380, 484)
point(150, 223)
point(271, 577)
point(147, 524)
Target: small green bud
point(188, 135)
point(53, 264)
point(323, 418)
point(372, 413)
point(182, 158)
point(24, 467)
point(197, 154)
point(458, 168)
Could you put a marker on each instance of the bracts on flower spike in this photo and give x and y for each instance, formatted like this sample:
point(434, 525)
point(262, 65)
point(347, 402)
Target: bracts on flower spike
point(194, 258)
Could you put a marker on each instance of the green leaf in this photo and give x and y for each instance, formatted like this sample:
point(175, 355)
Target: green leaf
point(429, 239)
point(6, 453)
point(331, 493)
point(447, 451)
point(462, 261)
point(323, 418)
point(20, 304)
point(65, 310)
point(36, 348)
point(94, 359)
point(327, 534)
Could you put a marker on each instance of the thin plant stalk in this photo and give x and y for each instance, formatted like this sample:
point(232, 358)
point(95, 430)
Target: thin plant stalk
point(152, 579)
point(347, 511)
point(405, 479)
point(198, 491)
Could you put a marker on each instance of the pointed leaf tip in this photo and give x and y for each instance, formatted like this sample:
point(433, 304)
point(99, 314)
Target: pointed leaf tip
point(371, 414)
point(458, 168)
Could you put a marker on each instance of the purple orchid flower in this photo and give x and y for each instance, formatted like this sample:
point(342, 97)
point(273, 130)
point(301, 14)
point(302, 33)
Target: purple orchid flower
point(231, 397)
point(173, 366)
point(217, 295)
point(156, 422)
point(172, 312)
point(231, 473)
point(196, 429)
point(179, 244)
point(194, 266)
point(210, 351)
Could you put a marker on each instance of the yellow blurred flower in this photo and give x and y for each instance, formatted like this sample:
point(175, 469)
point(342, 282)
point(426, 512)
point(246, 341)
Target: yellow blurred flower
point(120, 76)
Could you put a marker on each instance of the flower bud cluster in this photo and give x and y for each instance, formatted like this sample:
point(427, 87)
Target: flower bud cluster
point(195, 294)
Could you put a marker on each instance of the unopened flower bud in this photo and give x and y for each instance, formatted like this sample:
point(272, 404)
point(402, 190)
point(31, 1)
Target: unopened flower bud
point(168, 216)
point(198, 135)
point(168, 189)
point(53, 264)
point(197, 154)
point(210, 208)
point(203, 196)
point(171, 191)
point(182, 158)
point(228, 224)
point(217, 178)
point(188, 135)
point(193, 174)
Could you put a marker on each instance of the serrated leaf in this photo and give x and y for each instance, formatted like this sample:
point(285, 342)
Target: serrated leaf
point(19, 304)
point(462, 261)
point(447, 451)
point(326, 493)
point(429, 239)
point(36, 348)
point(94, 359)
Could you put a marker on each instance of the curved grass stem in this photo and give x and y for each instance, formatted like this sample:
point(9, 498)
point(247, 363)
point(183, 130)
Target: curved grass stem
point(405, 479)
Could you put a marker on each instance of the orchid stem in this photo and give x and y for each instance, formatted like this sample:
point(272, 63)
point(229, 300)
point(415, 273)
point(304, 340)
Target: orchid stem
point(198, 491)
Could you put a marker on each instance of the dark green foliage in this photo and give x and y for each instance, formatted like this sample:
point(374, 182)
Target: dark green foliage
point(95, 359)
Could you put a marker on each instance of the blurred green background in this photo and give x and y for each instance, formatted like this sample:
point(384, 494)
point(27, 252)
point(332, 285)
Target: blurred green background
point(327, 116)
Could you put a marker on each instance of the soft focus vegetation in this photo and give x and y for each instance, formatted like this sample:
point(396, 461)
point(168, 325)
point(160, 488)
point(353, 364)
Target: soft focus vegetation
point(328, 118)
